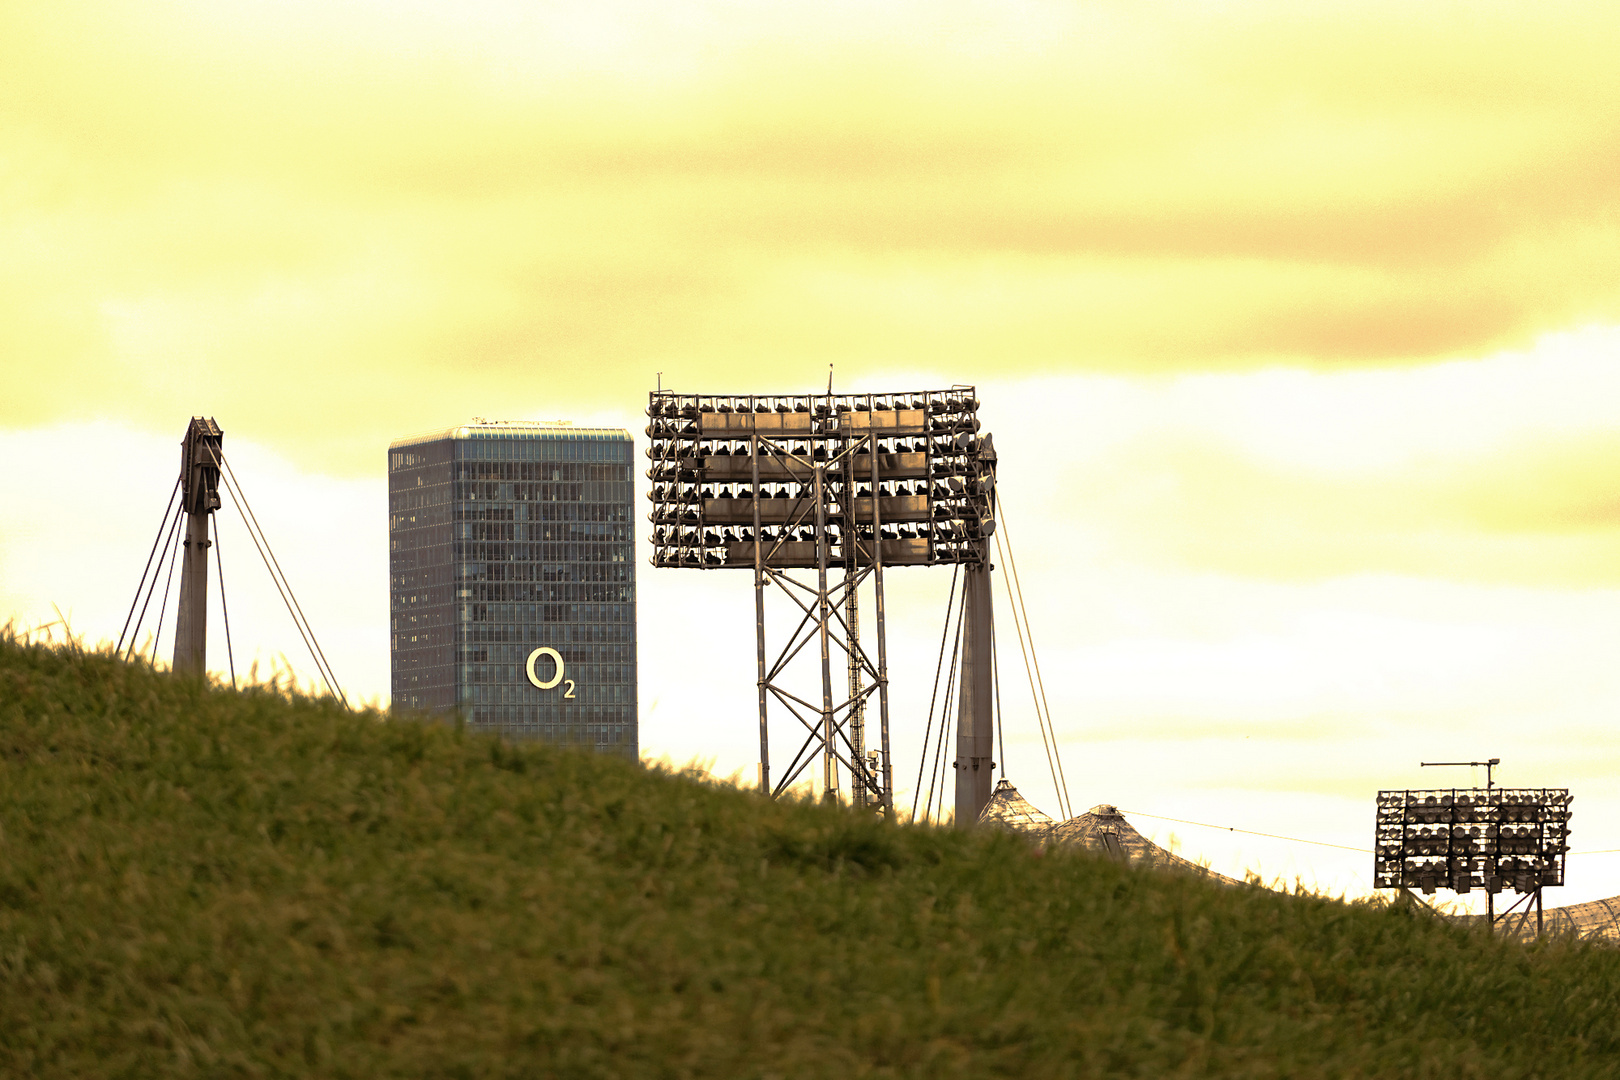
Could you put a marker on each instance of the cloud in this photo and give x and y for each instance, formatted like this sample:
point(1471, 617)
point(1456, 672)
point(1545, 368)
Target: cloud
point(333, 222)
point(1496, 470)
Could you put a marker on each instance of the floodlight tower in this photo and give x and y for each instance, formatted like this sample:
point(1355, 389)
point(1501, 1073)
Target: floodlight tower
point(200, 456)
point(842, 485)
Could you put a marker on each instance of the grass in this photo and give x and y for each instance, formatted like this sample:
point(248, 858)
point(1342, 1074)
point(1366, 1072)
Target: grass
point(200, 882)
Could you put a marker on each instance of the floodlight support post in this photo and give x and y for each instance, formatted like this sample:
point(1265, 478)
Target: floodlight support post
point(829, 732)
point(200, 455)
point(882, 639)
point(759, 621)
point(860, 780)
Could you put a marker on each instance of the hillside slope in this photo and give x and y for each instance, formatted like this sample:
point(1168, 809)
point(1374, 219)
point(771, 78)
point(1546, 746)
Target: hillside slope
point(201, 882)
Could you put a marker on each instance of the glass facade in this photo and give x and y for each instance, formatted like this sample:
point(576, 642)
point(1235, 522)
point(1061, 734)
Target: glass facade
point(512, 587)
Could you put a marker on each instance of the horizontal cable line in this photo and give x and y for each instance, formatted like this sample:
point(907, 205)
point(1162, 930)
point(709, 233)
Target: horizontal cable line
point(1298, 840)
point(1251, 832)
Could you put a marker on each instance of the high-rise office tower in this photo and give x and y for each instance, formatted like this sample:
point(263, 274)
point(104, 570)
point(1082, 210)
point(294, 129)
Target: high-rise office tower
point(512, 580)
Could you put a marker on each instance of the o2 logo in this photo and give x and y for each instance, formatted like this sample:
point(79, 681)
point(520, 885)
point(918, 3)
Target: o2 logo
point(556, 675)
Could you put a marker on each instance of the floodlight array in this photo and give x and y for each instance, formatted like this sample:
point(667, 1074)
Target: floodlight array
point(912, 462)
point(1472, 838)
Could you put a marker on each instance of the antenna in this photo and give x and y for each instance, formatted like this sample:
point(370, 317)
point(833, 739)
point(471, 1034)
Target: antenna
point(1489, 765)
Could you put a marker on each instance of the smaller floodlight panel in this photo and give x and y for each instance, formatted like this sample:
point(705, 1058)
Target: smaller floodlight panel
point(904, 479)
point(1472, 838)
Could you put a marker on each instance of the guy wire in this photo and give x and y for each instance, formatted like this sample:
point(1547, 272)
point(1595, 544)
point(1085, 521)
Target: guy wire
point(156, 540)
point(1040, 721)
point(277, 576)
point(944, 635)
point(936, 780)
point(219, 567)
point(237, 501)
point(174, 554)
point(1057, 755)
point(151, 589)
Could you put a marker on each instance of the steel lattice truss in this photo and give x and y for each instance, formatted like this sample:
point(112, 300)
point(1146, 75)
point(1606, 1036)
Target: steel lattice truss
point(1472, 838)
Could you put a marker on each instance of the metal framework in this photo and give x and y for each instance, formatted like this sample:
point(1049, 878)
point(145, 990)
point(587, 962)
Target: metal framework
point(1474, 838)
point(204, 473)
point(844, 486)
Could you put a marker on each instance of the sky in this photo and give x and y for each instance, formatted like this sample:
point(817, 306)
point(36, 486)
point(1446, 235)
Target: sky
point(1297, 327)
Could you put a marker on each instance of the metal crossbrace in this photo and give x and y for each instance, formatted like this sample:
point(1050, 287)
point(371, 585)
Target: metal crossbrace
point(1510, 908)
point(1524, 917)
point(841, 712)
point(813, 740)
point(827, 726)
point(852, 647)
point(789, 699)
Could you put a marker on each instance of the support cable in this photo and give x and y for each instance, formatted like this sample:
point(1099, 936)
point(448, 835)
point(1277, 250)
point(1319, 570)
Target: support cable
point(1042, 722)
point(1250, 832)
point(316, 650)
point(156, 540)
point(1057, 756)
point(174, 554)
point(936, 779)
point(944, 636)
point(279, 578)
point(151, 589)
point(1297, 839)
point(236, 501)
point(945, 709)
point(219, 567)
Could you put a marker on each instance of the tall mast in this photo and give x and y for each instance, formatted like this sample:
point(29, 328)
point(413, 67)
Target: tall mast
point(200, 456)
point(975, 735)
point(975, 722)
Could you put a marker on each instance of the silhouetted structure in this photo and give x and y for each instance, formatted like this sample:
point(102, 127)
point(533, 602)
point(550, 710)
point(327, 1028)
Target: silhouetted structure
point(842, 485)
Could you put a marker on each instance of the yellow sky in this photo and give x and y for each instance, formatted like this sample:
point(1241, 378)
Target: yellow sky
point(307, 212)
point(1296, 321)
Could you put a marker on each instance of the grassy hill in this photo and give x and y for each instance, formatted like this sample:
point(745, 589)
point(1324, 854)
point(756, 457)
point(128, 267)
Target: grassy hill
point(200, 882)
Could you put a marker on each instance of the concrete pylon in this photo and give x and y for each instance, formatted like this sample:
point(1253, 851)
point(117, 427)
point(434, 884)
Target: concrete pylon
point(200, 456)
point(975, 730)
